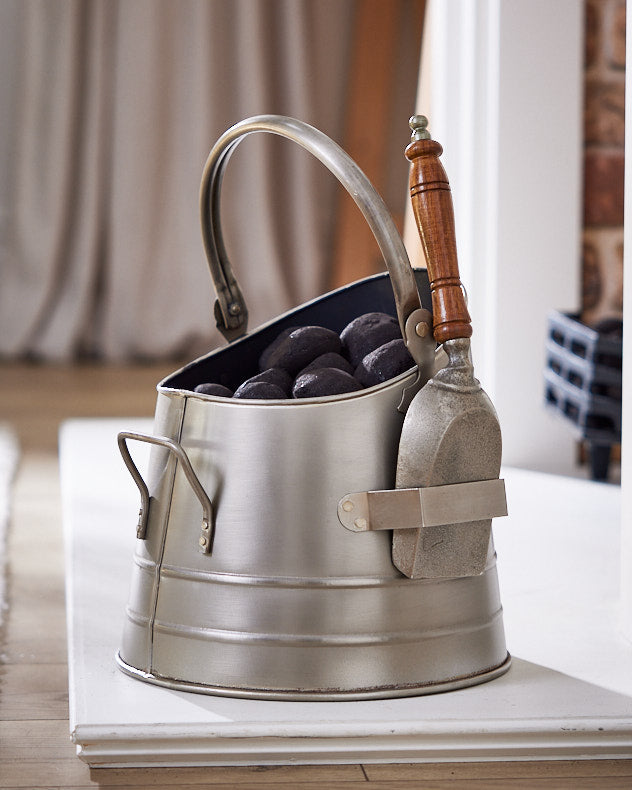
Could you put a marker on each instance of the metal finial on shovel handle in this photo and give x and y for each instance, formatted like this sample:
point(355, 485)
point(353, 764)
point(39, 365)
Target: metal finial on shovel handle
point(451, 433)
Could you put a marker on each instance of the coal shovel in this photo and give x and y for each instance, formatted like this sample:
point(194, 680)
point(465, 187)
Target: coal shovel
point(450, 446)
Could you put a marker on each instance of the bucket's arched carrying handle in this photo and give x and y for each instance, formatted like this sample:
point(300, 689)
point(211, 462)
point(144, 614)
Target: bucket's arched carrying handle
point(208, 527)
point(231, 312)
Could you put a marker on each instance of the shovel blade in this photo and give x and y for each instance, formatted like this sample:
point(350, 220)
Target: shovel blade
point(449, 436)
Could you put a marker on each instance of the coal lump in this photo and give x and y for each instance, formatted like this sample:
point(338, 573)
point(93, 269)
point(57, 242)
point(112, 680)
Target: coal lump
point(294, 348)
point(260, 390)
point(281, 378)
point(366, 333)
point(384, 363)
point(324, 381)
point(209, 388)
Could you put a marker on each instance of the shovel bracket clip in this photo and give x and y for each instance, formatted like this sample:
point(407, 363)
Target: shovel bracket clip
point(418, 508)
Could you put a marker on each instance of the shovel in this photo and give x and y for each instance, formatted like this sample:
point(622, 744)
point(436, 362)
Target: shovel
point(450, 441)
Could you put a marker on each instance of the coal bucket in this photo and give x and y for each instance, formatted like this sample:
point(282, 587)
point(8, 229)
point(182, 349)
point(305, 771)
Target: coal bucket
point(246, 580)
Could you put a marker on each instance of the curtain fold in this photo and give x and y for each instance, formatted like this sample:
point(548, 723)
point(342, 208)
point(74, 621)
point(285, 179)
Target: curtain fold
point(109, 109)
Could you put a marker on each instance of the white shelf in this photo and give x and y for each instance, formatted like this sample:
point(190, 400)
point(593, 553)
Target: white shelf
point(568, 694)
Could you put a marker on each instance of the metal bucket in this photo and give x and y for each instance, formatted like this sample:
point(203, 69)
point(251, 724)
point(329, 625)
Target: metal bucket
point(245, 583)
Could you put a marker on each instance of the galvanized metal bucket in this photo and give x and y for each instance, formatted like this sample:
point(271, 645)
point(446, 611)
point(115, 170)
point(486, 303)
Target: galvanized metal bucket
point(245, 581)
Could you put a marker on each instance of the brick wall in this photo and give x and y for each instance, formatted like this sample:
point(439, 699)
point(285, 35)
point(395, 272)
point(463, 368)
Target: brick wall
point(604, 107)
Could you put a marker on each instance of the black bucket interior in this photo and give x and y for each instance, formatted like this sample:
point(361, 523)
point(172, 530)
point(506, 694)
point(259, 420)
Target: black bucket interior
point(232, 364)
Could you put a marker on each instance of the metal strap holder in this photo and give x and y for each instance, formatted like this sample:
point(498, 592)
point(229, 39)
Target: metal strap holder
point(412, 508)
point(454, 521)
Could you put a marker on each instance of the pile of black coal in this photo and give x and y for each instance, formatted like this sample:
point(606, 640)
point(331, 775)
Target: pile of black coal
point(312, 361)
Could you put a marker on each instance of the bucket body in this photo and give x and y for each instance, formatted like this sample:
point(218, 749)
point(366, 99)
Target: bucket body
point(289, 604)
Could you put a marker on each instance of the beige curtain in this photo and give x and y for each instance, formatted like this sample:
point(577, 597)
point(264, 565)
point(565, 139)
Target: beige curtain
point(108, 111)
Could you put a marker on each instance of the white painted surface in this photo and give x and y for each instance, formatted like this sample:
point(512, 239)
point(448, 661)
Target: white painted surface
point(568, 694)
point(504, 97)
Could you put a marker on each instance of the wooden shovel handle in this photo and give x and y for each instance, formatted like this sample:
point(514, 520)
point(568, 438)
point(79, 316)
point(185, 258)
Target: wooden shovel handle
point(432, 205)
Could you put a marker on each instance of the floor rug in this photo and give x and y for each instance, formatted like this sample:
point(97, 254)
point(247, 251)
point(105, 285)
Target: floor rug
point(9, 455)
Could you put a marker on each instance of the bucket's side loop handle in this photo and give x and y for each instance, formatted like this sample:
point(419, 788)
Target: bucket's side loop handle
point(208, 527)
point(230, 309)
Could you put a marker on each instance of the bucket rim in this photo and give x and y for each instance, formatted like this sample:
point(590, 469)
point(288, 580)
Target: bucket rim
point(290, 402)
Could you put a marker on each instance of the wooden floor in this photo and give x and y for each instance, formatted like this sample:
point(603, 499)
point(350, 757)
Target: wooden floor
point(35, 750)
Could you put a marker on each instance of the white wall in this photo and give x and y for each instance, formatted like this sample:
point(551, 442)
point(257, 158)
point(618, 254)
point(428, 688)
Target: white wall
point(504, 98)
